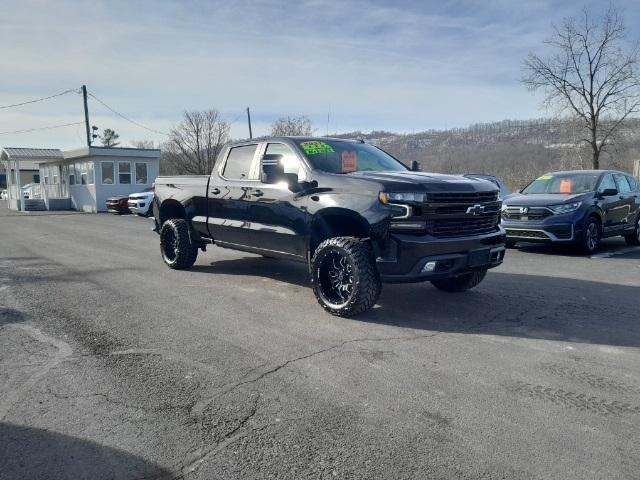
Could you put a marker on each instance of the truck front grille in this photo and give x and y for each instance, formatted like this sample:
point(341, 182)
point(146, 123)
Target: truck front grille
point(462, 197)
point(461, 214)
point(462, 227)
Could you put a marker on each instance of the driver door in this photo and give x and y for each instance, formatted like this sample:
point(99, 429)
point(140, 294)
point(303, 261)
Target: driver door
point(278, 215)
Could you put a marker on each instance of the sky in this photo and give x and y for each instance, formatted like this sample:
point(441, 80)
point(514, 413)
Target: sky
point(402, 66)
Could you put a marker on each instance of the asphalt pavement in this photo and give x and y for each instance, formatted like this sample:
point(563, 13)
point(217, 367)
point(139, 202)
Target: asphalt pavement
point(114, 366)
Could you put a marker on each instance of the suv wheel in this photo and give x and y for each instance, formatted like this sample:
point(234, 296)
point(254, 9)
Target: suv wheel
point(344, 277)
point(590, 236)
point(178, 251)
point(466, 281)
point(634, 238)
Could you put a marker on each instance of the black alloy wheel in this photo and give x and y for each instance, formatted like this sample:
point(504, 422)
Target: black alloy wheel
point(345, 279)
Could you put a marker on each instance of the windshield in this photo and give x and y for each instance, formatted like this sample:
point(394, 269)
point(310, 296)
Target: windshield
point(335, 156)
point(565, 183)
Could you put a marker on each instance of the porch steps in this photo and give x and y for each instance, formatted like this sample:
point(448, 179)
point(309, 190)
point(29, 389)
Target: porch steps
point(34, 205)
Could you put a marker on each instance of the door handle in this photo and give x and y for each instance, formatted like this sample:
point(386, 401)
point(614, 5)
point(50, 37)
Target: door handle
point(257, 193)
point(215, 191)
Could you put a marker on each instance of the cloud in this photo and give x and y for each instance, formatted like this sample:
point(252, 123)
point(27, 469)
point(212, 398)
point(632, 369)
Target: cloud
point(404, 66)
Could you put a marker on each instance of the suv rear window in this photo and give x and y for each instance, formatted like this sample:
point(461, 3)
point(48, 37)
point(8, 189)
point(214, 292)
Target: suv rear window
point(238, 164)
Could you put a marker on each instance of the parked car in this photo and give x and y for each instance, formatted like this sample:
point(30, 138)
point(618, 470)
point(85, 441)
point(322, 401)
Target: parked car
point(580, 207)
point(3, 195)
point(504, 188)
point(118, 204)
point(142, 203)
point(356, 215)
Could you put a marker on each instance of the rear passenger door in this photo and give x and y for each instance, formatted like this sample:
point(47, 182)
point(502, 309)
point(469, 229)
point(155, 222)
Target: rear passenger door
point(628, 200)
point(229, 192)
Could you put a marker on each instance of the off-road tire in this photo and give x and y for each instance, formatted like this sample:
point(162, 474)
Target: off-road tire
point(176, 247)
point(511, 243)
point(460, 283)
point(584, 244)
point(366, 280)
point(633, 239)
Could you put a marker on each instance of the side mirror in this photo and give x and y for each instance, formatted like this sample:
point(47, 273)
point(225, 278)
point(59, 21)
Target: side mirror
point(609, 192)
point(272, 171)
point(416, 166)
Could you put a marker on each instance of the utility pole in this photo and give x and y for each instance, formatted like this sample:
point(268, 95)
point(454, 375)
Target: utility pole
point(86, 114)
point(249, 121)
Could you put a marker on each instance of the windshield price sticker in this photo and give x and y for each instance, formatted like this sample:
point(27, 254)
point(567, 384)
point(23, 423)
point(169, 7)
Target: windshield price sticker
point(316, 147)
point(349, 162)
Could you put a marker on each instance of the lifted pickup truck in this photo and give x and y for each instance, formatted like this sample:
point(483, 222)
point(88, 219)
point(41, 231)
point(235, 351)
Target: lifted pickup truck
point(356, 215)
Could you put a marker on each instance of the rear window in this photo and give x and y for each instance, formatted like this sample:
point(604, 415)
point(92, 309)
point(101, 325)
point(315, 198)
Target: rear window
point(238, 164)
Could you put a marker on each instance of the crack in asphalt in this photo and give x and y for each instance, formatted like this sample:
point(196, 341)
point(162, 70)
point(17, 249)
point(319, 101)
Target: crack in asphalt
point(199, 407)
point(189, 465)
point(63, 350)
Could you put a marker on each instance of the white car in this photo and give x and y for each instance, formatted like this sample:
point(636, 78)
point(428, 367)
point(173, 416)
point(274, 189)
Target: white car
point(142, 203)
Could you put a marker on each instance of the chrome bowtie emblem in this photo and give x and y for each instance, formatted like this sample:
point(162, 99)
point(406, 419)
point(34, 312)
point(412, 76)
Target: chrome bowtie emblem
point(475, 210)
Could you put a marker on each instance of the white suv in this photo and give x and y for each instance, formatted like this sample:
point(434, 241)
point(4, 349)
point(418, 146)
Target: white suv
point(142, 203)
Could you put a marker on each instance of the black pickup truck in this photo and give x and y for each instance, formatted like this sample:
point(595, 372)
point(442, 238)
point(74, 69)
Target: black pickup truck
point(356, 215)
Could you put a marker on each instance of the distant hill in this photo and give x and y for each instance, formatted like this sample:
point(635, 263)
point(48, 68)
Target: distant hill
point(516, 150)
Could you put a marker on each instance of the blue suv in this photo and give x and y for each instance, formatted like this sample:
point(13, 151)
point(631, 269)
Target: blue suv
point(580, 207)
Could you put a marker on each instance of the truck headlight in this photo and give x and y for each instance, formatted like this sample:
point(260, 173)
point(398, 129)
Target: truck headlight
point(565, 207)
point(401, 197)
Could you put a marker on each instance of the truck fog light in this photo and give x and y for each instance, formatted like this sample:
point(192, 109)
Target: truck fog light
point(429, 266)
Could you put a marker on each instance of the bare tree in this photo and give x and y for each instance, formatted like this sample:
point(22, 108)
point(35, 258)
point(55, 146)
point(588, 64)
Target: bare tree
point(592, 74)
point(293, 126)
point(195, 142)
point(142, 144)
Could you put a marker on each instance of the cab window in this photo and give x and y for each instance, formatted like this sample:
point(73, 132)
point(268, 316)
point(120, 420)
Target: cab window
point(239, 161)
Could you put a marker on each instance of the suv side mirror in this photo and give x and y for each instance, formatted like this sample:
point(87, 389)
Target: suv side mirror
point(416, 166)
point(609, 192)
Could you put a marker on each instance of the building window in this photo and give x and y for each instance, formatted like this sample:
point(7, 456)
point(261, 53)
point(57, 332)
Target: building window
point(124, 173)
point(107, 173)
point(72, 179)
point(55, 179)
point(141, 173)
point(36, 178)
point(90, 174)
point(46, 180)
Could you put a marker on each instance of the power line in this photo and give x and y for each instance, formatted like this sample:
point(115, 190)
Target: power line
point(41, 128)
point(39, 99)
point(126, 118)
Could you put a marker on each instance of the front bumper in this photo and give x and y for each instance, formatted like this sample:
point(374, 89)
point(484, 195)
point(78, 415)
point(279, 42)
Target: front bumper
point(540, 232)
point(404, 257)
point(117, 208)
point(140, 207)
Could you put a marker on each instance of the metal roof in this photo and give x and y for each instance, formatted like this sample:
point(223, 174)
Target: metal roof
point(31, 153)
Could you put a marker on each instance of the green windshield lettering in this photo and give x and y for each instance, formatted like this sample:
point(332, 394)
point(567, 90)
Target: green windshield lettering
point(316, 147)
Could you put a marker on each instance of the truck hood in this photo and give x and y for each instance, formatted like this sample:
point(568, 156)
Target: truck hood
point(426, 182)
point(542, 199)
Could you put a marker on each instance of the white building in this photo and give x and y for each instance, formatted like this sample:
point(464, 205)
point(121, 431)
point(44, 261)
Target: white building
point(80, 179)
